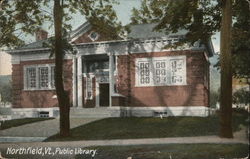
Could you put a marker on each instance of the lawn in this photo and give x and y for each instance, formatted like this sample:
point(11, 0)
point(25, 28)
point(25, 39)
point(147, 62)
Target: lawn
point(18, 122)
point(132, 128)
point(173, 151)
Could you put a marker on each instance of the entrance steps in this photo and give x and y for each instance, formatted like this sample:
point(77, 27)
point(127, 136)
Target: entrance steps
point(100, 112)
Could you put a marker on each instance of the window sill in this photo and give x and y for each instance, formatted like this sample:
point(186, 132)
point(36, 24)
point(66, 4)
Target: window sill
point(173, 85)
point(88, 98)
point(47, 89)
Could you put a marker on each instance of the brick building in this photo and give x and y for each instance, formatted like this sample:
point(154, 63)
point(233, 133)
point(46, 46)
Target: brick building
point(132, 77)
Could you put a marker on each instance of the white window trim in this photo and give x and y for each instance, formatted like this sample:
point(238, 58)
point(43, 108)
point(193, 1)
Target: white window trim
point(25, 77)
point(168, 71)
point(37, 77)
point(93, 39)
point(91, 76)
point(139, 60)
point(184, 69)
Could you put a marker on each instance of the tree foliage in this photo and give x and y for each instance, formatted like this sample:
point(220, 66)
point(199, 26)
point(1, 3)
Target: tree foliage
point(241, 40)
point(241, 96)
point(27, 16)
point(214, 98)
point(6, 92)
point(19, 18)
point(202, 19)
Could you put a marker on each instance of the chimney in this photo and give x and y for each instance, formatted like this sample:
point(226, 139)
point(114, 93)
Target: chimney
point(41, 34)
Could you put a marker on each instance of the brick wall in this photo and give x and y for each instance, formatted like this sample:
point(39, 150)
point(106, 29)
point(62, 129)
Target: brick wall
point(192, 94)
point(85, 38)
point(37, 98)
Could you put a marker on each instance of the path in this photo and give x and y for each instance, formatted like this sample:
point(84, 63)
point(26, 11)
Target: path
point(239, 137)
point(38, 131)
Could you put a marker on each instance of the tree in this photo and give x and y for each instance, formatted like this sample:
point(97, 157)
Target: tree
point(100, 14)
point(202, 19)
point(5, 92)
point(19, 18)
point(214, 98)
point(62, 96)
point(241, 41)
point(226, 71)
point(241, 96)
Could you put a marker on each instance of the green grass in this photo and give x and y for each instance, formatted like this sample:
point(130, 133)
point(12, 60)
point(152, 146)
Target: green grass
point(132, 128)
point(174, 151)
point(18, 122)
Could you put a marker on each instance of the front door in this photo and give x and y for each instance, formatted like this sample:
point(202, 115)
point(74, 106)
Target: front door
point(104, 94)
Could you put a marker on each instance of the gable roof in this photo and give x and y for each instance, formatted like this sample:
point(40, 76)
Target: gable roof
point(85, 27)
point(139, 31)
point(34, 45)
point(73, 35)
point(146, 31)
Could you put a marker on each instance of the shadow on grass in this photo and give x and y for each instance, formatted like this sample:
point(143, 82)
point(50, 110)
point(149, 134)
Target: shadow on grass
point(18, 122)
point(149, 127)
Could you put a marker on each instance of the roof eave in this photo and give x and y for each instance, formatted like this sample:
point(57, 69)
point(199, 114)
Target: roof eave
point(11, 52)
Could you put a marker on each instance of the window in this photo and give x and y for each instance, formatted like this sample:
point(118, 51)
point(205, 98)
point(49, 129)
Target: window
point(39, 77)
point(161, 71)
point(92, 66)
point(93, 36)
point(43, 77)
point(144, 73)
point(31, 77)
point(177, 71)
point(89, 91)
point(52, 71)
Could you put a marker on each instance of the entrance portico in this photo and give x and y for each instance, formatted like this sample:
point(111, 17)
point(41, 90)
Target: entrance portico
point(94, 84)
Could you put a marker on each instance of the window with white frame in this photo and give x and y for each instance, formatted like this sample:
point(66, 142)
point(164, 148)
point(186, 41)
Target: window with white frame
point(31, 77)
point(93, 36)
point(52, 72)
point(161, 71)
point(89, 89)
point(39, 77)
point(43, 77)
point(177, 71)
point(144, 73)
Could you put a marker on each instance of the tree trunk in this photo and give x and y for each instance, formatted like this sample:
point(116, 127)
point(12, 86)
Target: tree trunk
point(226, 71)
point(62, 95)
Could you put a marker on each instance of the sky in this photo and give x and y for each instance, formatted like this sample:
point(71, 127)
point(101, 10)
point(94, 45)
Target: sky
point(123, 11)
point(5, 63)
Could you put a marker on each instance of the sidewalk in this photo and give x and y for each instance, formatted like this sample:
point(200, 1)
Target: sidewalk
point(239, 137)
point(38, 131)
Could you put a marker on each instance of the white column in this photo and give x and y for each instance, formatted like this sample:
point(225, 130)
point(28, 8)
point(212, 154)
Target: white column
point(111, 78)
point(79, 82)
point(74, 82)
point(97, 94)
